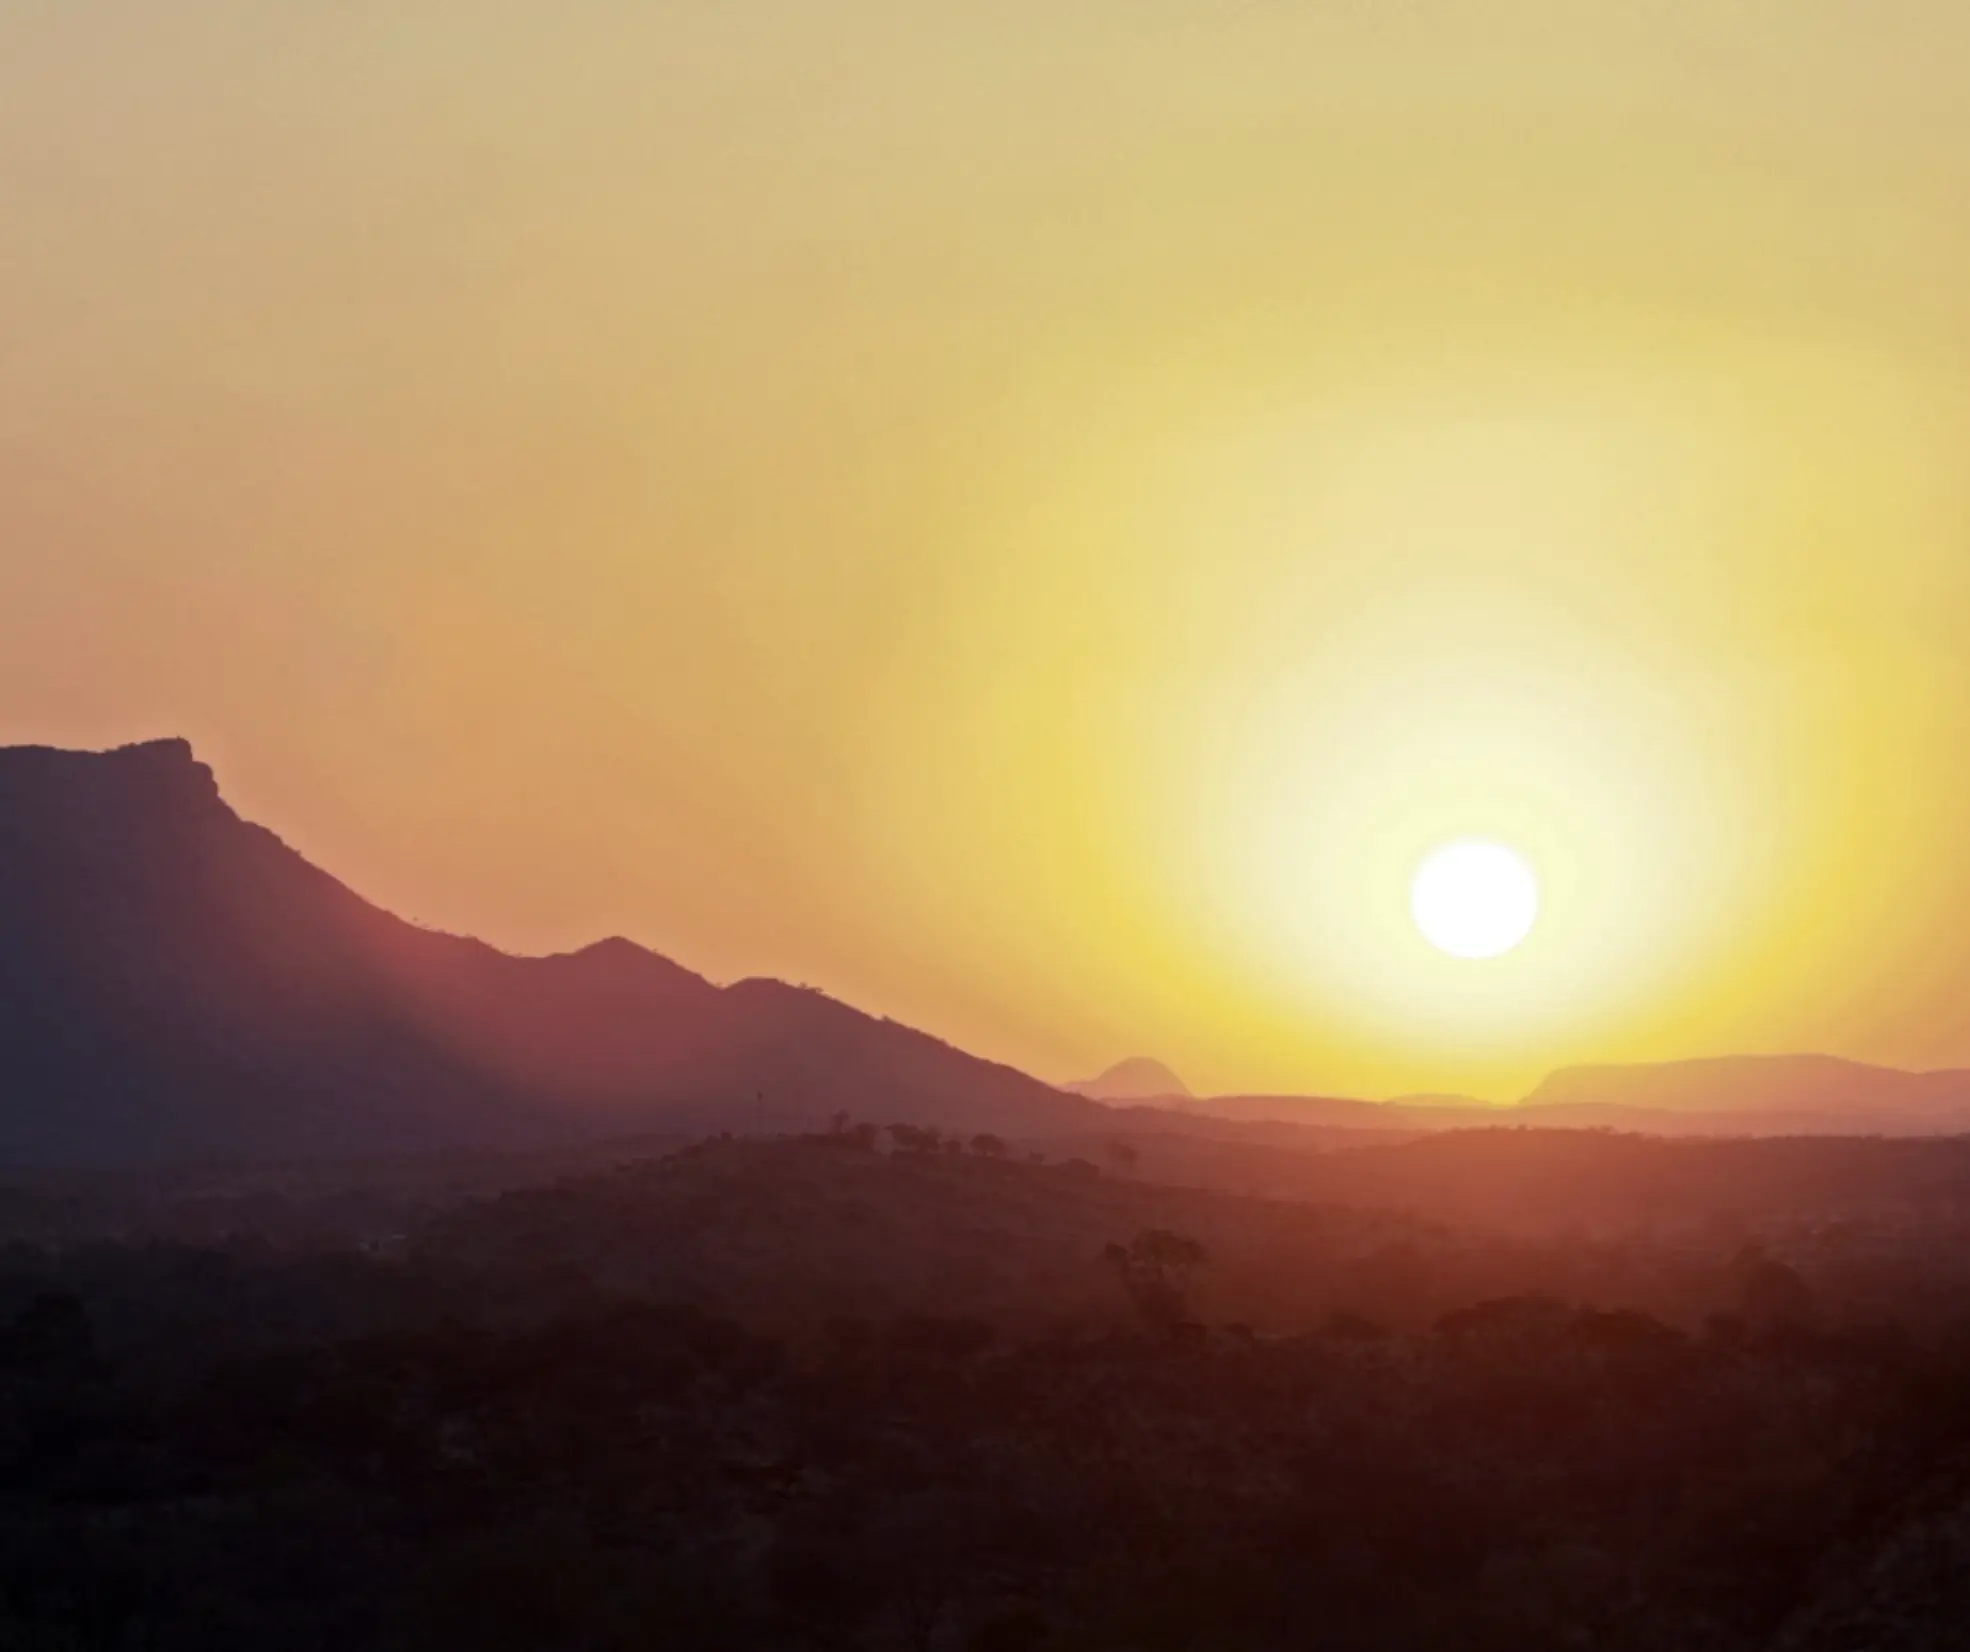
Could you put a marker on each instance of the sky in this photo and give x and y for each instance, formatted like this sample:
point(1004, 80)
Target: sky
point(1036, 518)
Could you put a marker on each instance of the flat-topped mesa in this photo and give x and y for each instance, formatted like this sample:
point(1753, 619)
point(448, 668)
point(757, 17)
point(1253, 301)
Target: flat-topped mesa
point(148, 756)
point(148, 775)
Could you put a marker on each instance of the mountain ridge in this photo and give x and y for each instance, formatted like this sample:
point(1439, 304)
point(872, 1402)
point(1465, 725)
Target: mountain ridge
point(176, 981)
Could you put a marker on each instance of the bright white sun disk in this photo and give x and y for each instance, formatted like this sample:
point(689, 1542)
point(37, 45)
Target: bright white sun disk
point(1474, 899)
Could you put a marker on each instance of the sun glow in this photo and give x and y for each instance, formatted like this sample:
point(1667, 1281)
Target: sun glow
point(1474, 899)
point(997, 539)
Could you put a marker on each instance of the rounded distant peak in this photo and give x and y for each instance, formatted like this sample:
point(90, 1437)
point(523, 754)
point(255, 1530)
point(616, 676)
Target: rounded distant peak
point(616, 953)
point(618, 959)
point(1139, 1078)
point(612, 946)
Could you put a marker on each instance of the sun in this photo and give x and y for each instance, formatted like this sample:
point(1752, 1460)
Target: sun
point(1474, 898)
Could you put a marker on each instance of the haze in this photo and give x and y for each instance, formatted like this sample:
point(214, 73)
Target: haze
point(1035, 519)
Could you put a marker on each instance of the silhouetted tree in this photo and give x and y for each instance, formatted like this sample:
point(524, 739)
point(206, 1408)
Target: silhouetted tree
point(1156, 1268)
point(916, 1138)
point(845, 1134)
point(1769, 1293)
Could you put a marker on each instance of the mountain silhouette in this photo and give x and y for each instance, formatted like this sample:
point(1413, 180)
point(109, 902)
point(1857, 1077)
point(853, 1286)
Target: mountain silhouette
point(1139, 1078)
point(177, 983)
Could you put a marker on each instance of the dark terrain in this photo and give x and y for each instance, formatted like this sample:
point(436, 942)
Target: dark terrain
point(365, 1289)
point(862, 1389)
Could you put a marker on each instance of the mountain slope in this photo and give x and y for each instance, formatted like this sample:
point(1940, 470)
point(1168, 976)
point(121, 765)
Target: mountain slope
point(177, 983)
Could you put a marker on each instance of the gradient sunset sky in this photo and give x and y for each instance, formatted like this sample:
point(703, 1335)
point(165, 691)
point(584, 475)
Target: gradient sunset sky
point(1035, 517)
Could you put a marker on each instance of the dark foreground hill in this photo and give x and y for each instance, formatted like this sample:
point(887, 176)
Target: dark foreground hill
point(796, 1232)
point(792, 1233)
point(1597, 1183)
point(177, 984)
point(805, 1396)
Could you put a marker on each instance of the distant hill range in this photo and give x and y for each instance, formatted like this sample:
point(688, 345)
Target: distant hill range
point(1797, 1089)
point(178, 984)
point(1780, 1095)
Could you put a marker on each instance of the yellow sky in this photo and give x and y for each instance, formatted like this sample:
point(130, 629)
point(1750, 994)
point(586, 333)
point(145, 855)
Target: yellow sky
point(1034, 517)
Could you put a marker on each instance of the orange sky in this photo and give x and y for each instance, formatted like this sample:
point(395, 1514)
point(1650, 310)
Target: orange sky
point(1035, 517)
